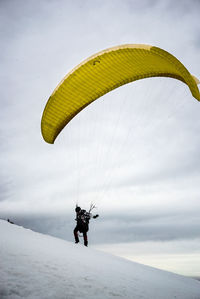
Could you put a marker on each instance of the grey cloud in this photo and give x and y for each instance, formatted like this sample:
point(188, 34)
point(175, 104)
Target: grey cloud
point(6, 187)
point(118, 228)
point(155, 227)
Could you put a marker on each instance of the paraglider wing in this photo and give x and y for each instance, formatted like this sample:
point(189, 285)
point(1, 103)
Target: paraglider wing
point(104, 72)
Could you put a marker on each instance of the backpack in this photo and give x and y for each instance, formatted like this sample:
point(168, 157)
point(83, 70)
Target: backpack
point(83, 219)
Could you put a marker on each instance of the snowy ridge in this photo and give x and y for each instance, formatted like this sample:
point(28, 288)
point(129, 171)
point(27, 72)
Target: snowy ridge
point(33, 265)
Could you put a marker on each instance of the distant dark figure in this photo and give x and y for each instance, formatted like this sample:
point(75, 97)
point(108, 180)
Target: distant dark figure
point(10, 221)
point(82, 226)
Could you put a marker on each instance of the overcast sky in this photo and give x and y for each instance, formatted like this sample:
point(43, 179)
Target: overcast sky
point(134, 152)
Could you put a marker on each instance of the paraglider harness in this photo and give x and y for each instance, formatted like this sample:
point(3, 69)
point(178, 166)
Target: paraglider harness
point(83, 218)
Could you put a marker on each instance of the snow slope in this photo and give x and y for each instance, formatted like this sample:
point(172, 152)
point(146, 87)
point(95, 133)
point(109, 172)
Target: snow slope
point(33, 265)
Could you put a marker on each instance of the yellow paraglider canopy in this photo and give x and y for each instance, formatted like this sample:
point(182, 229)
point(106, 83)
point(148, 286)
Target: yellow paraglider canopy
point(104, 72)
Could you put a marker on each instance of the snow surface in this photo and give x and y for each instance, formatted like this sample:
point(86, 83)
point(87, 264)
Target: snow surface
point(33, 265)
